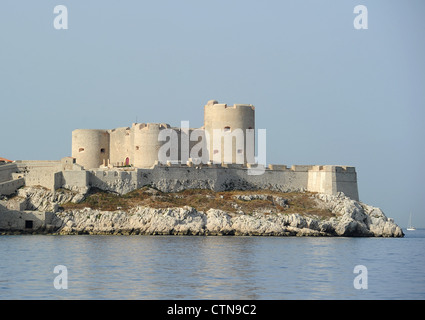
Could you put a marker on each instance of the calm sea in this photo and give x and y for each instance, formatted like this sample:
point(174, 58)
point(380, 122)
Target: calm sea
point(197, 267)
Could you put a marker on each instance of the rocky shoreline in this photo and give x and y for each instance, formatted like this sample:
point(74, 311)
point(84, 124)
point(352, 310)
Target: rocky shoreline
point(349, 218)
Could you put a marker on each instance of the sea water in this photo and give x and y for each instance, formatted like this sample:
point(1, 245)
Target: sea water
point(211, 267)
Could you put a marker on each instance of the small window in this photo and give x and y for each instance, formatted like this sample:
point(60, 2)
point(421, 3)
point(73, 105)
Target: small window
point(81, 150)
point(226, 129)
point(215, 151)
point(102, 150)
point(28, 224)
point(240, 151)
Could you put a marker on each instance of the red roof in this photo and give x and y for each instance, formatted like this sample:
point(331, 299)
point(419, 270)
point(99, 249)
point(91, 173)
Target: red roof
point(5, 160)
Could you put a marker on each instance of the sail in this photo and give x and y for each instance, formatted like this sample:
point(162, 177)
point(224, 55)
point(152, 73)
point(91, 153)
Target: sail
point(410, 226)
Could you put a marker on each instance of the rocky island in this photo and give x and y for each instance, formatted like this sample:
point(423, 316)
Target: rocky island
point(148, 211)
point(155, 179)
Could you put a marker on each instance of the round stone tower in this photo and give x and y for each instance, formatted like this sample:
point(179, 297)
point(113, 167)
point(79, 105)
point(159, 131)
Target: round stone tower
point(228, 123)
point(146, 143)
point(90, 147)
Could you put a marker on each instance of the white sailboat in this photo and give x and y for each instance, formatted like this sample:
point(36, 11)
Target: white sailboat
point(410, 227)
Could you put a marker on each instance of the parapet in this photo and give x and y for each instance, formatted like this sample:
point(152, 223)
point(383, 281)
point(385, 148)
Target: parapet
point(212, 102)
point(151, 126)
point(215, 104)
point(345, 169)
point(232, 165)
point(89, 131)
point(301, 168)
point(119, 129)
point(334, 168)
point(278, 167)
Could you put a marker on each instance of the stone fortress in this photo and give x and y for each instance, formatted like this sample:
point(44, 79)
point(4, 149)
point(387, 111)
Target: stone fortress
point(139, 145)
point(124, 159)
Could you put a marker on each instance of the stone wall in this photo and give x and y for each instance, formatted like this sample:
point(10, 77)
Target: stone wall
point(9, 180)
point(75, 180)
point(119, 181)
point(6, 171)
point(27, 221)
point(10, 187)
point(177, 177)
point(49, 174)
point(346, 181)
point(41, 173)
point(333, 179)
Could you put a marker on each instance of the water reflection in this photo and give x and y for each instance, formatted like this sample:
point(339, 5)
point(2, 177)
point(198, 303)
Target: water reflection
point(227, 269)
point(173, 267)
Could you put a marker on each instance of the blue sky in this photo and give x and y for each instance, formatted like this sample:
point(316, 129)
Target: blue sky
point(325, 92)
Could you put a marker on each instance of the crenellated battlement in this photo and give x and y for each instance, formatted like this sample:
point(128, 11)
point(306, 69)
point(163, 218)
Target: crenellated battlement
point(340, 169)
point(223, 106)
point(151, 126)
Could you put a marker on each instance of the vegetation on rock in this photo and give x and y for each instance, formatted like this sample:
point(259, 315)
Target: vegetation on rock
point(247, 202)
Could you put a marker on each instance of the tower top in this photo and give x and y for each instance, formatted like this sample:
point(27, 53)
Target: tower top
point(211, 102)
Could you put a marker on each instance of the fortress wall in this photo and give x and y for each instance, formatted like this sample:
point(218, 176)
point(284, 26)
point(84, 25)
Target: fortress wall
point(320, 179)
point(114, 180)
point(333, 179)
point(45, 177)
point(6, 171)
point(43, 173)
point(284, 181)
point(46, 173)
point(10, 187)
point(38, 164)
point(346, 181)
point(33, 173)
point(72, 180)
point(121, 145)
point(174, 178)
point(177, 178)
